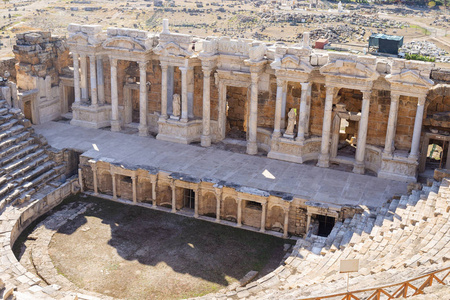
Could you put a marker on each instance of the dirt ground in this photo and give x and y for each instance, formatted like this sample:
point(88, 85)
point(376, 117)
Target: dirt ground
point(137, 253)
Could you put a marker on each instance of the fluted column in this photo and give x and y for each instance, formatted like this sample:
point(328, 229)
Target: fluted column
point(174, 197)
point(196, 203)
point(93, 71)
point(206, 134)
point(286, 223)
point(359, 166)
point(164, 68)
point(263, 217)
point(94, 173)
point(252, 147)
point(239, 212)
point(324, 157)
point(278, 107)
point(84, 83)
point(414, 154)
point(143, 99)
point(154, 193)
point(100, 81)
point(76, 78)
point(115, 123)
point(389, 146)
point(114, 185)
point(184, 94)
point(218, 193)
point(304, 112)
point(133, 181)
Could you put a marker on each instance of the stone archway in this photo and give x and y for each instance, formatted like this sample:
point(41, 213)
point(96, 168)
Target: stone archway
point(209, 204)
point(229, 209)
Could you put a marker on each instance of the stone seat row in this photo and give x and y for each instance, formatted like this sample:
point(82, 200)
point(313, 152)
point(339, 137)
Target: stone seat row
point(403, 239)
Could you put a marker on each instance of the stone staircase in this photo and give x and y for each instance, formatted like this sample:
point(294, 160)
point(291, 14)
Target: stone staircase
point(25, 166)
point(403, 239)
point(29, 169)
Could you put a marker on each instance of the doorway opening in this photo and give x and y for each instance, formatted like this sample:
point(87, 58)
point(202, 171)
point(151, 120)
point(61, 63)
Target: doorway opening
point(236, 113)
point(326, 224)
point(189, 198)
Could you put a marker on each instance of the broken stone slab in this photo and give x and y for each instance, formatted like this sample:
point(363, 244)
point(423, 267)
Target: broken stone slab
point(248, 277)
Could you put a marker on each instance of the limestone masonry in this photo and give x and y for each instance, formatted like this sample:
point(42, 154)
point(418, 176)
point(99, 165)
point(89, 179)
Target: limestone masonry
point(303, 108)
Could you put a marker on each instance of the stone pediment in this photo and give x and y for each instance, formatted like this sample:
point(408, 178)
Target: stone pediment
point(82, 39)
point(125, 44)
point(411, 77)
point(171, 49)
point(292, 63)
point(348, 69)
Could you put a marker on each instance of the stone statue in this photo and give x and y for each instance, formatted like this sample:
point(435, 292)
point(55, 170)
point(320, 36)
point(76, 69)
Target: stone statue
point(291, 122)
point(176, 102)
point(340, 7)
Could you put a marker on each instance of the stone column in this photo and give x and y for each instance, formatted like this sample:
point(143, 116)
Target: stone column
point(308, 221)
point(278, 107)
point(239, 212)
point(304, 112)
point(143, 99)
point(154, 193)
point(100, 81)
point(286, 223)
point(283, 104)
point(252, 147)
point(324, 157)
point(114, 184)
point(115, 123)
point(196, 203)
point(84, 91)
point(359, 166)
point(206, 134)
point(263, 217)
point(133, 181)
point(184, 95)
point(174, 197)
point(218, 202)
point(164, 68)
point(93, 71)
point(76, 78)
point(414, 154)
point(94, 173)
point(222, 109)
point(80, 179)
point(392, 125)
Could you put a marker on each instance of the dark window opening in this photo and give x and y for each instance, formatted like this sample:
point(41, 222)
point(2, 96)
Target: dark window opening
point(189, 198)
point(254, 205)
point(326, 224)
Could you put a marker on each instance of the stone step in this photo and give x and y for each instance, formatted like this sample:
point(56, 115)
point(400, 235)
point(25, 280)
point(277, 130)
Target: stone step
point(24, 156)
point(4, 103)
point(4, 111)
point(5, 118)
point(11, 141)
point(15, 130)
point(36, 172)
point(8, 125)
point(22, 149)
point(29, 167)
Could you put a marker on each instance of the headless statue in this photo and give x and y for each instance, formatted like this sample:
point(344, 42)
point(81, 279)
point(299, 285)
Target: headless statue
point(291, 122)
point(176, 105)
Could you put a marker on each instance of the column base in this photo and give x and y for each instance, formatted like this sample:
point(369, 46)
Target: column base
point(300, 138)
point(413, 157)
point(276, 134)
point(196, 216)
point(217, 220)
point(115, 125)
point(324, 161)
point(359, 168)
point(238, 225)
point(143, 130)
point(262, 230)
point(173, 210)
point(252, 148)
point(205, 140)
point(184, 120)
point(162, 117)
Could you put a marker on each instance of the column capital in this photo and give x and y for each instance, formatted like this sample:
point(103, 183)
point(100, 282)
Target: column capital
point(164, 65)
point(254, 77)
point(113, 62)
point(92, 57)
point(75, 54)
point(94, 166)
point(83, 55)
point(207, 71)
point(366, 94)
point(395, 96)
point(305, 85)
point(421, 100)
point(142, 66)
point(280, 82)
point(331, 88)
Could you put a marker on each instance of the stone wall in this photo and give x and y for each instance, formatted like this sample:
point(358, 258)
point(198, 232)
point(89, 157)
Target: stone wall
point(407, 107)
point(8, 64)
point(318, 94)
point(380, 103)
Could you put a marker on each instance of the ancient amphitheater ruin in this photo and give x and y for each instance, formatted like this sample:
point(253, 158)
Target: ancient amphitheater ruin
point(328, 148)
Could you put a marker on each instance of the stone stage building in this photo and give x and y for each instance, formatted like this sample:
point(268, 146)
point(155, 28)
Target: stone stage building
point(371, 114)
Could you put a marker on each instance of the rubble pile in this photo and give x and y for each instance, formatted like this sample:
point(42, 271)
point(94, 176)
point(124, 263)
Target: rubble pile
point(338, 34)
point(425, 48)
